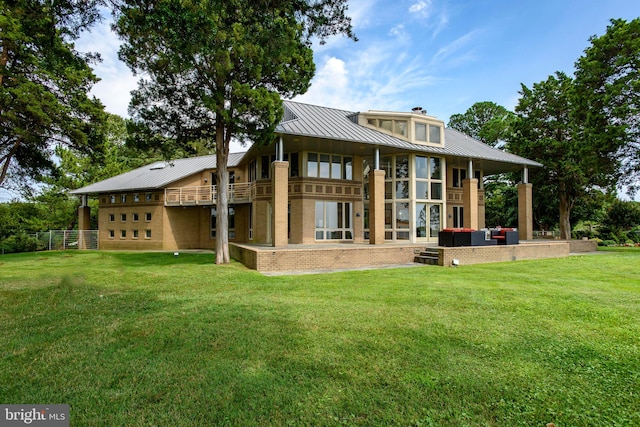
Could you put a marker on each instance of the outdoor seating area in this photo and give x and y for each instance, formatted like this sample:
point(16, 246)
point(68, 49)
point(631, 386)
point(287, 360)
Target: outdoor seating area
point(455, 237)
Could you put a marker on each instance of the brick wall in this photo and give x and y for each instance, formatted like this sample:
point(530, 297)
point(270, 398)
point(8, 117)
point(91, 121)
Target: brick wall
point(293, 259)
point(467, 255)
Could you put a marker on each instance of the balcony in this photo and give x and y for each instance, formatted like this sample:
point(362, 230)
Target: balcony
point(205, 195)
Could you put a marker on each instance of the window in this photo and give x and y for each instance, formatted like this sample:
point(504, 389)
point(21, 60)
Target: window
point(329, 166)
point(348, 168)
point(458, 215)
point(400, 127)
point(333, 221)
point(112, 199)
point(434, 134)
point(123, 198)
point(294, 166)
point(421, 132)
point(135, 234)
point(385, 124)
point(123, 217)
point(147, 234)
point(411, 182)
point(136, 197)
point(147, 197)
point(459, 175)
point(112, 234)
point(435, 218)
point(265, 167)
point(252, 171)
point(147, 216)
point(112, 217)
point(231, 222)
point(324, 166)
point(312, 165)
point(421, 220)
point(136, 217)
point(123, 234)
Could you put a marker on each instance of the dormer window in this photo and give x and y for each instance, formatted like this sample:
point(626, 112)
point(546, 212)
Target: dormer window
point(434, 134)
point(420, 129)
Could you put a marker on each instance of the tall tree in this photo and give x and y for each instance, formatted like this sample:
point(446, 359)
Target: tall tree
point(546, 131)
point(44, 84)
point(485, 121)
point(608, 84)
point(217, 69)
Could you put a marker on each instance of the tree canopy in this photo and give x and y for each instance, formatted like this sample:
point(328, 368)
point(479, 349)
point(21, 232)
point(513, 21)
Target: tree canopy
point(217, 69)
point(485, 121)
point(608, 102)
point(44, 85)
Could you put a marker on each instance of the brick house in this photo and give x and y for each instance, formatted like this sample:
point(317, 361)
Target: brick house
point(329, 176)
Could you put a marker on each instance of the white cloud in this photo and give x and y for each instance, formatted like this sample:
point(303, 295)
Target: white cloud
point(422, 7)
point(456, 52)
point(382, 76)
point(116, 80)
point(400, 33)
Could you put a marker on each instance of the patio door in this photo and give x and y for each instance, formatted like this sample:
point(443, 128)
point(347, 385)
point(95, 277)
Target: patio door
point(427, 221)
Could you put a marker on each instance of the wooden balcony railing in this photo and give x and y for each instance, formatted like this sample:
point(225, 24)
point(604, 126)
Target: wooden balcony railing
point(206, 195)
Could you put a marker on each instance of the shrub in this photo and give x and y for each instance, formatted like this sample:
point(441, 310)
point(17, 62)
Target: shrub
point(21, 243)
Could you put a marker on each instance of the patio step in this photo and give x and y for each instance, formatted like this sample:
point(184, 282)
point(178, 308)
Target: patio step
point(428, 256)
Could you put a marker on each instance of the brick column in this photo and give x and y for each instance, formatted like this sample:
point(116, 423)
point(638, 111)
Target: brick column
point(280, 201)
point(525, 211)
point(470, 202)
point(376, 207)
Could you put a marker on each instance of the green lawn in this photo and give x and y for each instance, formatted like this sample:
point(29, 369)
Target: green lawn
point(153, 339)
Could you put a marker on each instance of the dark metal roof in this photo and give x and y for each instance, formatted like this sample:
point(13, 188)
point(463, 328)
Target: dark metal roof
point(157, 175)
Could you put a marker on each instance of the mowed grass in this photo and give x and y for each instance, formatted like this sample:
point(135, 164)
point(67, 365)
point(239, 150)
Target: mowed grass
point(152, 339)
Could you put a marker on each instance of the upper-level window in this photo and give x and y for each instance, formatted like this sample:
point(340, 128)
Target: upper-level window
point(433, 133)
point(265, 165)
point(409, 127)
point(123, 198)
point(320, 165)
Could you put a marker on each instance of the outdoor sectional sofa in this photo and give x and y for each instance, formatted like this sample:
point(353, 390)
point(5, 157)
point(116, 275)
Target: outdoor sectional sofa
point(505, 236)
point(452, 237)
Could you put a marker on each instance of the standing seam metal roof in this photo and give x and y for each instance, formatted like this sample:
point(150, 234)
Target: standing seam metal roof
point(304, 120)
point(330, 123)
point(157, 175)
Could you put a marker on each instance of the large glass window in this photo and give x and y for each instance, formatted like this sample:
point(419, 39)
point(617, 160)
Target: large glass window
point(414, 183)
point(333, 221)
point(329, 166)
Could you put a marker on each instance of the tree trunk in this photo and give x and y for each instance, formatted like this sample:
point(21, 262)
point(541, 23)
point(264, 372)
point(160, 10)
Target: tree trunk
point(222, 206)
point(565, 212)
point(4, 58)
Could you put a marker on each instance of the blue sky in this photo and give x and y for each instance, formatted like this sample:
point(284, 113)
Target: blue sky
point(442, 55)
